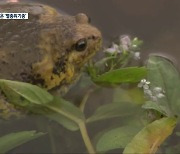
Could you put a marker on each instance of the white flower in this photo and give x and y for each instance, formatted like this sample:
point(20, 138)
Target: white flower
point(110, 50)
point(114, 49)
point(154, 94)
point(148, 92)
point(125, 42)
point(125, 39)
point(146, 86)
point(160, 95)
point(158, 92)
point(143, 83)
point(136, 55)
point(134, 46)
point(148, 82)
point(154, 98)
point(157, 89)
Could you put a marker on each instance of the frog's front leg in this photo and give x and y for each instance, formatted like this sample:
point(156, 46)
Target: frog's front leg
point(8, 110)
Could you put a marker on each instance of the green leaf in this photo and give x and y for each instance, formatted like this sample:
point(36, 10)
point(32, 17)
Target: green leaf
point(65, 113)
point(123, 75)
point(39, 101)
point(62, 120)
point(116, 138)
point(151, 137)
point(134, 95)
point(24, 94)
point(13, 140)
point(149, 105)
point(162, 73)
point(113, 110)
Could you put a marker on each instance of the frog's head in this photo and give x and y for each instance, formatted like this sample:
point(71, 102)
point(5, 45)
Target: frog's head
point(69, 42)
point(81, 40)
point(86, 41)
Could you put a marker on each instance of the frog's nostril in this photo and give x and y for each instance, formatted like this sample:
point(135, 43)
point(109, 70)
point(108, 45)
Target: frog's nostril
point(93, 37)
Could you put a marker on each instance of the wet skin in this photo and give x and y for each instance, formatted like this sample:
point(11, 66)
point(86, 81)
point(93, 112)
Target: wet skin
point(49, 49)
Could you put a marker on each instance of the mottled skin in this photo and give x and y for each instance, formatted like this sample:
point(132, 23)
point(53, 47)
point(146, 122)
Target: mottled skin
point(43, 49)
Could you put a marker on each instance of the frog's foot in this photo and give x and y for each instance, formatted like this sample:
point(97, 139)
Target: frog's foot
point(8, 110)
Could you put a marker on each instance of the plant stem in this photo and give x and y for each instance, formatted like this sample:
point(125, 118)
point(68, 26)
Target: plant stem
point(81, 125)
point(84, 100)
point(86, 138)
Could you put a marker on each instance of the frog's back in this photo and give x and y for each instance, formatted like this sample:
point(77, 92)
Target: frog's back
point(19, 38)
point(19, 46)
point(31, 8)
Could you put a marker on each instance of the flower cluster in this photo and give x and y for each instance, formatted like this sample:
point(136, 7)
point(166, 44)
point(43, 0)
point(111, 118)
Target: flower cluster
point(125, 45)
point(154, 94)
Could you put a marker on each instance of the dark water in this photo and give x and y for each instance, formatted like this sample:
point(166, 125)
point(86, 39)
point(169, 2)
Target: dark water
point(156, 22)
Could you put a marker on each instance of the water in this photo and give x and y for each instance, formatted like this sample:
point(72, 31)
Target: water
point(156, 22)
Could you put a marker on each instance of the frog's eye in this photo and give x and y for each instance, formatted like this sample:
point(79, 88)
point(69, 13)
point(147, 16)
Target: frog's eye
point(81, 45)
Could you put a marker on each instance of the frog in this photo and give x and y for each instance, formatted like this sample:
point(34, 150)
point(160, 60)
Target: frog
point(49, 49)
